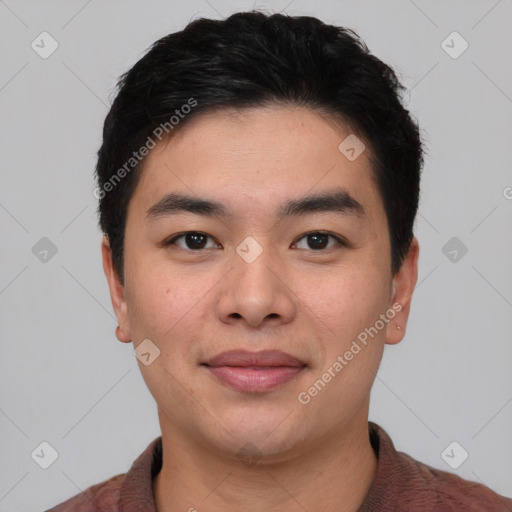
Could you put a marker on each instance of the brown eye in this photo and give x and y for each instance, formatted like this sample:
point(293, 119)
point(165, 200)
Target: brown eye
point(318, 241)
point(192, 240)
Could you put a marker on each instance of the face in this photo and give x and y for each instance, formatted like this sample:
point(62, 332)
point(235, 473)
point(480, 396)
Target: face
point(292, 255)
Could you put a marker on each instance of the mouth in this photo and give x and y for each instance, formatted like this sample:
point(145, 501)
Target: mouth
point(254, 372)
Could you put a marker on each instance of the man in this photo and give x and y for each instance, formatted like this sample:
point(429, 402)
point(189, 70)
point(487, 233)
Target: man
point(258, 185)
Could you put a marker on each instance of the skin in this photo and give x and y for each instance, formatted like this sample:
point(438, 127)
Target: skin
point(309, 303)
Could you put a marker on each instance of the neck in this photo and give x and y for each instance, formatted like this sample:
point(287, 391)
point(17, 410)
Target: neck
point(334, 474)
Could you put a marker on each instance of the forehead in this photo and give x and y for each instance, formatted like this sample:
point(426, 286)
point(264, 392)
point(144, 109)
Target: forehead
point(266, 154)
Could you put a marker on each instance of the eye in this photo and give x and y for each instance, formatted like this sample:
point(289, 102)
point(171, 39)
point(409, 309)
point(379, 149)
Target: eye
point(193, 240)
point(196, 241)
point(319, 240)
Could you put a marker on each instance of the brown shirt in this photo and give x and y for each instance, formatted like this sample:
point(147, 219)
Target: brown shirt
point(401, 484)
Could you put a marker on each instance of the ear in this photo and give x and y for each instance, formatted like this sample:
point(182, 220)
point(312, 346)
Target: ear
point(402, 289)
point(116, 293)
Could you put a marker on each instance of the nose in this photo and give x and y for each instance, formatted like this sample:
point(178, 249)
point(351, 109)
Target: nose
point(256, 293)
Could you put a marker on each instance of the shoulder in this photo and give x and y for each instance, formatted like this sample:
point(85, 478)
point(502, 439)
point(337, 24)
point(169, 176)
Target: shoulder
point(101, 497)
point(428, 488)
point(402, 483)
point(131, 490)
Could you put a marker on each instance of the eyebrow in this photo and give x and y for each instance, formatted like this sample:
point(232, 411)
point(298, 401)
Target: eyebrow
point(338, 201)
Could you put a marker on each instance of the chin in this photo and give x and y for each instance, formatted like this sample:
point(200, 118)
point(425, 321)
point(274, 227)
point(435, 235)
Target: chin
point(271, 434)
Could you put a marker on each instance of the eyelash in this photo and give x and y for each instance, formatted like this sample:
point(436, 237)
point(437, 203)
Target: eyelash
point(339, 240)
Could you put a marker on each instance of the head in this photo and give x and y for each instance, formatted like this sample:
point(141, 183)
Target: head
point(281, 146)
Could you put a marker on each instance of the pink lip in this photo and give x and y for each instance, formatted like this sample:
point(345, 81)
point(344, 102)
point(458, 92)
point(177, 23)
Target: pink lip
point(254, 372)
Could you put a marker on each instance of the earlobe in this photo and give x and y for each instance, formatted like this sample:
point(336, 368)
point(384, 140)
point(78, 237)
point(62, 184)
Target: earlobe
point(403, 286)
point(117, 295)
point(122, 335)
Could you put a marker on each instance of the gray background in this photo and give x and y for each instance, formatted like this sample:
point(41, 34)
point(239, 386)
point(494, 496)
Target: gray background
point(65, 378)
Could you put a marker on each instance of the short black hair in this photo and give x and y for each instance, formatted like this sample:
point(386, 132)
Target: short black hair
point(253, 59)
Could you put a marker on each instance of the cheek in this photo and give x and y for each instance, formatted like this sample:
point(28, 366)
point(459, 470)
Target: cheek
point(152, 306)
point(155, 301)
point(345, 300)
point(348, 304)
point(168, 306)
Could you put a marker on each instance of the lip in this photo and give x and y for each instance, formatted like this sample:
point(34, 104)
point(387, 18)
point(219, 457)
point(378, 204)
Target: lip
point(244, 358)
point(254, 372)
